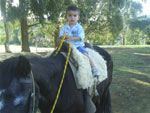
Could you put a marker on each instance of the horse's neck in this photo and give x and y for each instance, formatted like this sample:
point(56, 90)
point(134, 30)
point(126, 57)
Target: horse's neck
point(49, 64)
point(56, 60)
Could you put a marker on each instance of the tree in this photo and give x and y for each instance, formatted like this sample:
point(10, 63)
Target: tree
point(100, 19)
point(2, 33)
point(142, 24)
point(55, 10)
point(21, 12)
point(129, 11)
point(103, 18)
point(4, 10)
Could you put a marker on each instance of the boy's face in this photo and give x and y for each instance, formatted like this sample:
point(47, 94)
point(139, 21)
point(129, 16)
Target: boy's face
point(72, 17)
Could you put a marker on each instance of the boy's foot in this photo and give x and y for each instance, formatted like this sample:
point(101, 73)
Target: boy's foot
point(95, 72)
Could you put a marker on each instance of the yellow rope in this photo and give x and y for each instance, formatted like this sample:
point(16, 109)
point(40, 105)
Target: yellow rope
point(63, 76)
point(33, 85)
point(60, 45)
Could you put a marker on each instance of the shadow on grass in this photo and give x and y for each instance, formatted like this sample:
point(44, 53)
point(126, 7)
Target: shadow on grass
point(130, 93)
point(130, 88)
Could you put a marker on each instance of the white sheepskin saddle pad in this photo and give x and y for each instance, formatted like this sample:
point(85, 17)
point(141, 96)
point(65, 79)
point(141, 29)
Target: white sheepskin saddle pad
point(83, 74)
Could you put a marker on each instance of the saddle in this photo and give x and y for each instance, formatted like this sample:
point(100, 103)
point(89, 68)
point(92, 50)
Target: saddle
point(80, 63)
point(81, 68)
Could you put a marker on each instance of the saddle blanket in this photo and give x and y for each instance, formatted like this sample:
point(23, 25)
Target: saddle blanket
point(83, 74)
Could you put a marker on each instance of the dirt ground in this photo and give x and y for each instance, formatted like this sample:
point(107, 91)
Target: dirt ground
point(17, 49)
point(130, 88)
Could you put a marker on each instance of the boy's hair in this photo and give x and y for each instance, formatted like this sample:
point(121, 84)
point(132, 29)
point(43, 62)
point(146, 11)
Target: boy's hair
point(73, 8)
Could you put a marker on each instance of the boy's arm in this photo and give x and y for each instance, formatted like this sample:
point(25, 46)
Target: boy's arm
point(74, 38)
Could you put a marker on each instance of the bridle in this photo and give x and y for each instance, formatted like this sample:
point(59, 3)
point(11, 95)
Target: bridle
point(33, 92)
point(30, 81)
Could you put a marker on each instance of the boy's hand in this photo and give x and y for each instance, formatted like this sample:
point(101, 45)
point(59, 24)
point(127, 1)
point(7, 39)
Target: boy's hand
point(67, 36)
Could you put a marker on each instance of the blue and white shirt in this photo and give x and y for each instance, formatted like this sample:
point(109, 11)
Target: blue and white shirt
point(75, 31)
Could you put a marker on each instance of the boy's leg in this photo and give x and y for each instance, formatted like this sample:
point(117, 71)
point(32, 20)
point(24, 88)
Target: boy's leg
point(94, 72)
point(94, 69)
point(85, 52)
point(91, 61)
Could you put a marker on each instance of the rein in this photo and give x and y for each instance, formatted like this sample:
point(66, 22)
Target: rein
point(65, 68)
point(30, 81)
point(33, 85)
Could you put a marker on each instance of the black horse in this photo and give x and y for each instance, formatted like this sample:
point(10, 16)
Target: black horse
point(16, 88)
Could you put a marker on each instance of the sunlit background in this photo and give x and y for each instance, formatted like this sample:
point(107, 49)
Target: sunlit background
point(146, 6)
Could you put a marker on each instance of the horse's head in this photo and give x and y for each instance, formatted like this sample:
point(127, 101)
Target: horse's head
point(16, 86)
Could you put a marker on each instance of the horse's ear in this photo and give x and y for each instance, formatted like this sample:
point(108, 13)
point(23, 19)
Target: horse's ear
point(23, 67)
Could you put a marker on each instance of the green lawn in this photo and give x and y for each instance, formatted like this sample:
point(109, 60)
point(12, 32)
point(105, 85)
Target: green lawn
point(130, 88)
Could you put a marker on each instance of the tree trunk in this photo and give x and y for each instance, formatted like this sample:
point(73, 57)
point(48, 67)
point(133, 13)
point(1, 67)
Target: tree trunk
point(7, 49)
point(56, 36)
point(124, 39)
point(24, 35)
point(143, 39)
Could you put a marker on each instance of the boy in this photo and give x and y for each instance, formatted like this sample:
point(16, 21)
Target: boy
point(75, 33)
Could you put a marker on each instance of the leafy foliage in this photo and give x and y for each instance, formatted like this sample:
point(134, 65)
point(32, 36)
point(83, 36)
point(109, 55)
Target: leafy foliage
point(142, 24)
point(103, 20)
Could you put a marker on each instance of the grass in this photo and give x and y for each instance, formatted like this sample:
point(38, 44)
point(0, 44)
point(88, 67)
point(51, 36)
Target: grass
point(130, 88)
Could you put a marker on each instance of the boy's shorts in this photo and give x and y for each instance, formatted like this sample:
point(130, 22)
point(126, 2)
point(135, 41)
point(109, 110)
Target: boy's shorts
point(82, 49)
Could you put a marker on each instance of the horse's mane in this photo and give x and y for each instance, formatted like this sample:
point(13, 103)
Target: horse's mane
point(50, 62)
point(7, 71)
point(17, 67)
